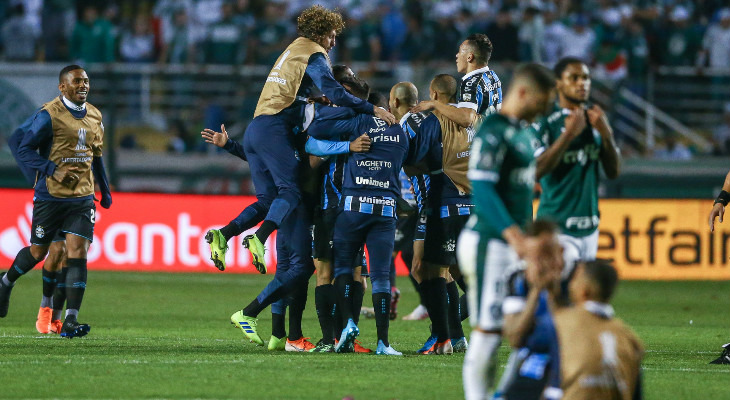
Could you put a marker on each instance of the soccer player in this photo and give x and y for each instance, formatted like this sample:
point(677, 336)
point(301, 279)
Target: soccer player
point(370, 187)
point(600, 357)
point(445, 145)
point(502, 175)
point(480, 93)
point(49, 313)
point(575, 139)
point(301, 71)
point(718, 210)
point(533, 369)
point(62, 143)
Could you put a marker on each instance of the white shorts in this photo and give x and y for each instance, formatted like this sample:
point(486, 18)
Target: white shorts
point(484, 265)
point(578, 249)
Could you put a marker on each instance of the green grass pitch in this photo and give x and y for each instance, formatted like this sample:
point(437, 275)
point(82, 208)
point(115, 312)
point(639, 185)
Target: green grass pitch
point(168, 336)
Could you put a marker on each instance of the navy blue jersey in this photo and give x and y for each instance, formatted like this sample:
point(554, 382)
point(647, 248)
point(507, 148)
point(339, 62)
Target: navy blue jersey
point(14, 141)
point(411, 125)
point(481, 91)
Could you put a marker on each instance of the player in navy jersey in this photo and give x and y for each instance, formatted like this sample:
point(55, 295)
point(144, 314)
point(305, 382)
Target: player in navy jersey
point(369, 190)
point(480, 92)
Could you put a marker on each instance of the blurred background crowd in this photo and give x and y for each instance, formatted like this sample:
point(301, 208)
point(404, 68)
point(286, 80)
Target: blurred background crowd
point(164, 69)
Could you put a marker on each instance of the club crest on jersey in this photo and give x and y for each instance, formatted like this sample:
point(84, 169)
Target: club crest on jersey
point(449, 245)
point(39, 232)
point(81, 144)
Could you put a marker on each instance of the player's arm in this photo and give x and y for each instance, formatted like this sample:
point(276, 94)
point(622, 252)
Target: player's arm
point(519, 316)
point(610, 155)
point(221, 139)
point(14, 142)
point(550, 157)
point(39, 131)
point(463, 116)
point(718, 209)
point(97, 167)
point(326, 129)
point(323, 148)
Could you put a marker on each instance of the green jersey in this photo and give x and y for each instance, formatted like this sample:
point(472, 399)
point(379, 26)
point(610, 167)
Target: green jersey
point(570, 191)
point(502, 175)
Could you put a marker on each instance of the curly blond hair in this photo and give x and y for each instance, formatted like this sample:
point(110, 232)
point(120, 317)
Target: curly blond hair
point(317, 21)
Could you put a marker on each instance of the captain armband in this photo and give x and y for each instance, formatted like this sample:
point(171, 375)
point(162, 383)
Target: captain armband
point(723, 198)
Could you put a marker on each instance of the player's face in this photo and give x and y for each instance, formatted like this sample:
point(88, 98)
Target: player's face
point(536, 103)
point(462, 57)
point(328, 40)
point(75, 86)
point(575, 83)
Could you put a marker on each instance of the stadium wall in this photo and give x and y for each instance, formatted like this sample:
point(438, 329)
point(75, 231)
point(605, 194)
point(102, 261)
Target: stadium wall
point(647, 239)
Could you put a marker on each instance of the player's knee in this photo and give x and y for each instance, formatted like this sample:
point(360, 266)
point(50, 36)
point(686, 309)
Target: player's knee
point(38, 252)
point(380, 284)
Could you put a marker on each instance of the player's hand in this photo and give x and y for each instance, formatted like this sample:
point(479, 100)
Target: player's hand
point(426, 105)
point(321, 100)
point(106, 200)
point(575, 123)
point(385, 115)
point(217, 138)
point(67, 176)
point(516, 239)
point(718, 210)
point(598, 119)
point(361, 144)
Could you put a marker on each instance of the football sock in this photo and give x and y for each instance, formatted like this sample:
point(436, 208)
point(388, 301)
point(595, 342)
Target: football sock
point(230, 230)
point(265, 230)
point(59, 294)
point(439, 308)
point(72, 313)
point(248, 218)
point(23, 263)
point(296, 310)
point(480, 365)
point(381, 305)
point(49, 285)
point(343, 286)
point(392, 271)
point(75, 283)
point(253, 309)
point(463, 307)
point(278, 326)
point(455, 328)
point(323, 303)
point(418, 289)
point(357, 295)
point(425, 291)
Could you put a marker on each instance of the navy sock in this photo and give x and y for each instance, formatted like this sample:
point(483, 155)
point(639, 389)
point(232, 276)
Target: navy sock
point(265, 230)
point(455, 328)
point(323, 295)
point(231, 230)
point(357, 295)
point(49, 282)
point(462, 284)
point(439, 310)
point(463, 307)
point(343, 286)
point(278, 326)
point(23, 263)
point(253, 309)
point(297, 304)
point(59, 295)
point(381, 305)
point(75, 283)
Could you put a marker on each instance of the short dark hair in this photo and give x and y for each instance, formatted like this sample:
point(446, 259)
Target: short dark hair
point(378, 99)
point(481, 46)
point(356, 86)
point(66, 70)
point(538, 75)
point(604, 275)
point(444, 83)
point(541, 226)
point(339, 71)
point(563, 63)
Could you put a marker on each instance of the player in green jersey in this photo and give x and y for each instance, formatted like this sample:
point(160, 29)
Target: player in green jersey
point(575, 139)
point(502, 176)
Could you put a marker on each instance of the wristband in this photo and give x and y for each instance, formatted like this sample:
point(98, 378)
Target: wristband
point(723, 198)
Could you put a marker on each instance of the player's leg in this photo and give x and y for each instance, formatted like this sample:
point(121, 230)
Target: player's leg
point(325, 297)
point(589, 246)
point(379, 242)
point(59, 295)
point(360, 275)
point(51, 270)
point(248, 218)
point(277, 341)
point(571, 253)
point(434, 282)
point(46, 221)
point(452, 227)
point(483, 266)
point(79, 228)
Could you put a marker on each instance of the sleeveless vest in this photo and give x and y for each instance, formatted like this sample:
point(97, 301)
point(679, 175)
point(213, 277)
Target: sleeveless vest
point(455, 159)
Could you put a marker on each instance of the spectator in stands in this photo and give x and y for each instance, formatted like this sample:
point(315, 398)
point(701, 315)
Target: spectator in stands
point(446, 36)
point(57, 24)
point(531, 34)
point(716, 43)
point(503, 33)
point(680, 40)
point(138, 43)
point(269, 37)
point(393, 27)
point(244, 16)
point(226, 40)
point(579, 40)
point(93, 38)
point(177, 40)
point(418, 44)
point(18, 37)
point(721, 134)
point(361, 38)
point(636, 48)
point(555, 31)
point(673, 149)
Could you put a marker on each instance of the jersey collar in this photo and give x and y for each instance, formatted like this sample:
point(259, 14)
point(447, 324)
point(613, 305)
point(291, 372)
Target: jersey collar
point(70, 104)
point(602, 310)
point(404, 118)
point(476, 71)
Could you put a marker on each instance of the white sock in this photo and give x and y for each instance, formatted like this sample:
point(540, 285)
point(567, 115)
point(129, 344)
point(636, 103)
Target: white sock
point(480, 364)
point(6, 281)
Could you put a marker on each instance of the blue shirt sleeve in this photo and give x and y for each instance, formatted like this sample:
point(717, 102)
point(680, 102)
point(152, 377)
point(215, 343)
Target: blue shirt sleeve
point(323, 148)
point(322, 112)
point(39, 132)
point(321, 75)
point(235, 148)
point(97, 167)
point(426, 145)
point(14, 143)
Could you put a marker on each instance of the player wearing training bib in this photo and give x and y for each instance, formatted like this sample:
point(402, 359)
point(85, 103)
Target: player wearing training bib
point(502, 175)
point(575, 141)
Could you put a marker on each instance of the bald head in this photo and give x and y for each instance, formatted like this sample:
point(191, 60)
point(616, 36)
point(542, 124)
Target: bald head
point(443, 88)
point(403, 96)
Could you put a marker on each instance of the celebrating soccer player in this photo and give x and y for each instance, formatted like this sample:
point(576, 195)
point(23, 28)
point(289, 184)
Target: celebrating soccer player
point(61, 144)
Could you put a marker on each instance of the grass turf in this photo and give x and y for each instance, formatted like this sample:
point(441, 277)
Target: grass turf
point(168, 336)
